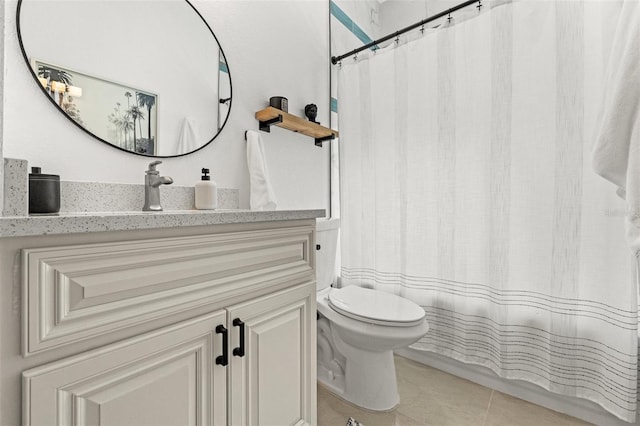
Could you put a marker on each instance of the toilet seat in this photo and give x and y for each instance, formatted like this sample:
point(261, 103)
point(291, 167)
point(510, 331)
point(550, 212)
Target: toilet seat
point(375, 307)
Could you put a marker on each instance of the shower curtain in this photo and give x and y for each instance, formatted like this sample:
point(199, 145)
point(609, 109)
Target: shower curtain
point(466, 186)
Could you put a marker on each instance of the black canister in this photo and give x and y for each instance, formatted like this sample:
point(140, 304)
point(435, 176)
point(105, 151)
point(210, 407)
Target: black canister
point(279, 102)
point(44, 192)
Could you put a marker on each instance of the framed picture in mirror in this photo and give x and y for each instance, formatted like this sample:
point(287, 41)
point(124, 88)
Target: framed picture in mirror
point(117, 113)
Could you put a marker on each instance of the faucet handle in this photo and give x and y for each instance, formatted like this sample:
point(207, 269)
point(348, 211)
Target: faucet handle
point(152, 165)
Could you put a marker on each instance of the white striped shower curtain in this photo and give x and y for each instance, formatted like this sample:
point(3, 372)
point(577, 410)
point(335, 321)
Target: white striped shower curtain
point(466, 186)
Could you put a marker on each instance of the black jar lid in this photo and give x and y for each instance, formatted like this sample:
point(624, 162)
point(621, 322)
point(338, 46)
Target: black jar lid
point(37, 175)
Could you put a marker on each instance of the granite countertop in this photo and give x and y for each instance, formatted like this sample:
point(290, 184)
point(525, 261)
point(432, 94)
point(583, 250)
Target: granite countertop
point(68, 223)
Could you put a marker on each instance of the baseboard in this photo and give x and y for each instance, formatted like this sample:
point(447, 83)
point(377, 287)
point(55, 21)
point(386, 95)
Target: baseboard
point(579, 408)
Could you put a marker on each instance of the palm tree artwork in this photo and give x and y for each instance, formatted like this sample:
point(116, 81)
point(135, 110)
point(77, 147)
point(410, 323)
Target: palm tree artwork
point(122, 123)
point(148, 101)
point(112, 112)
point(130, 120)
point(126, 125)
point(136, 114)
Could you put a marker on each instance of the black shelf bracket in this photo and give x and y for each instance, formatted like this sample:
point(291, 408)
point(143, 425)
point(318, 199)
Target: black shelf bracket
point(324, 139)
point(265, 126)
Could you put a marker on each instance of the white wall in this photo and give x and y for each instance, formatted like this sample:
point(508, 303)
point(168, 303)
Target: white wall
point(272, 48)
point(395, 15)
point(365, 13)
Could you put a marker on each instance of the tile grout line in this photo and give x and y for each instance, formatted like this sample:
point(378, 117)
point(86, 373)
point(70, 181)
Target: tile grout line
point(486, 414)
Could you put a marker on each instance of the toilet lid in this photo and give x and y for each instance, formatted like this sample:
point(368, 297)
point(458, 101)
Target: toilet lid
point(374, 306)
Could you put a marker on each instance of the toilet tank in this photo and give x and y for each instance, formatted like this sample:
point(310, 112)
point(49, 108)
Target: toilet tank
point(327, 240)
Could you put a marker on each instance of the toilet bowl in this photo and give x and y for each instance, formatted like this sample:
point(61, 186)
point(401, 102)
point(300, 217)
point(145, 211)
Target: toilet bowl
point(358, 328)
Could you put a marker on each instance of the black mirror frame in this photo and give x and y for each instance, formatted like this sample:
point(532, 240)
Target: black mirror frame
point(35, 77)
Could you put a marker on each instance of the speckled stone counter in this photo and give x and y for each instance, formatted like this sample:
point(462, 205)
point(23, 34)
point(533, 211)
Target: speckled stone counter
point(100, 196)
point(16, 188)
point(67, 223)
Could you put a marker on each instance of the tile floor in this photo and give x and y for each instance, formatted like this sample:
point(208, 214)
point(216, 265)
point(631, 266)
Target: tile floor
point(432, 397)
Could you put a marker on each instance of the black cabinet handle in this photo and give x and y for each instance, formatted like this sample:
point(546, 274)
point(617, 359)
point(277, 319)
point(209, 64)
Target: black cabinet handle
point(223, 359)
point(239, 351)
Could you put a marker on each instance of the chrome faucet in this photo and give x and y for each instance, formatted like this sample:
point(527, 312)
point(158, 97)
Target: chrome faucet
point(152, 182)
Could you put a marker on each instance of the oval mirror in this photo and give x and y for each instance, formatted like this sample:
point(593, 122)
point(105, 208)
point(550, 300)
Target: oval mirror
point(146, 76)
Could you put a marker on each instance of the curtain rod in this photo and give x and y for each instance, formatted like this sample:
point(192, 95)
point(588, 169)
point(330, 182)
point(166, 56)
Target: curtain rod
point(336, 59)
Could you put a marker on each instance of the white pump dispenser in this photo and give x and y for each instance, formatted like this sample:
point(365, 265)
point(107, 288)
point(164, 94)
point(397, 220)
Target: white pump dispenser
point(206, 192)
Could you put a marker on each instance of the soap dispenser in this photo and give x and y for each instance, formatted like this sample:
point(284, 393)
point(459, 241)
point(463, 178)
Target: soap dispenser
point(206, 192)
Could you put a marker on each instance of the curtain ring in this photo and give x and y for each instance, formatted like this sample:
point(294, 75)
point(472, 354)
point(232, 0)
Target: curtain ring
point(479, 6)
point(422, 29)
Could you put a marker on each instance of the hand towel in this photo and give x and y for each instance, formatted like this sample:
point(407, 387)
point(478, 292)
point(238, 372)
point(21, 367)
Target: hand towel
point(188, 140)
point(616, 155)
point(262, 196)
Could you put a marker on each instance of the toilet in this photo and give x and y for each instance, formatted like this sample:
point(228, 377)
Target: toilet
point(358, 329)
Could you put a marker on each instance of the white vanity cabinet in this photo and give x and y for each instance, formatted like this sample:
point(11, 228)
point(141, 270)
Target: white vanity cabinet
point(177, 375)
point(208, 325)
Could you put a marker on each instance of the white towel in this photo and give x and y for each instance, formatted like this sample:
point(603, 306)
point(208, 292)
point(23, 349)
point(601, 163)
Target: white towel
point(616, 155)
point(188, 140)
point(262, 196)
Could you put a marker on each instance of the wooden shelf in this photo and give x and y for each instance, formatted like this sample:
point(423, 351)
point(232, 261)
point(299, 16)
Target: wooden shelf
point(271, 116)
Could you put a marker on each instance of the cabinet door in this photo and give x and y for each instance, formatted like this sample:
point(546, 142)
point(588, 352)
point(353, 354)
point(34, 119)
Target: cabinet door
point(273, 384)
point(166, 377)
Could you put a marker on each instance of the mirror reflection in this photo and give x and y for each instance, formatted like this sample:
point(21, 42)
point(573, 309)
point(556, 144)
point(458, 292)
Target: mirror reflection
point(145, 76)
